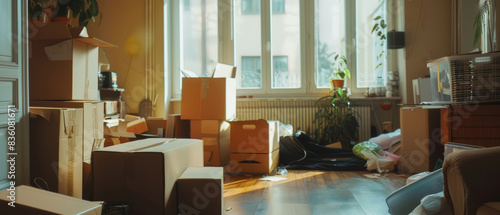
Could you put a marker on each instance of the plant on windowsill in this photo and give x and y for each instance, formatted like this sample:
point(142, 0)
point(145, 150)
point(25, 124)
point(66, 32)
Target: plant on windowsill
point(335, 119)
point(340, 71)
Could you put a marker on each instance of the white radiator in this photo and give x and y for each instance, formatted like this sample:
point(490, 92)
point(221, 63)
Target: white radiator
point(297, 112)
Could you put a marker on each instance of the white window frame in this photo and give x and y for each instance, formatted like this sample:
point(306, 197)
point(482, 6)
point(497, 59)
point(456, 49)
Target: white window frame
point(226, 49)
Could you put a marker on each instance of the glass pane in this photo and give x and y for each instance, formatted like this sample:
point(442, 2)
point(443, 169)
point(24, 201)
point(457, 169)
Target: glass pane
point(329, 30)
point(285, 40)
point(251, 71)
point(247, 42)
point(199, 43)
point(370, 52)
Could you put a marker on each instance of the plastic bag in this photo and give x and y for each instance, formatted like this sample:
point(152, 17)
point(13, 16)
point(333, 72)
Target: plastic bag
point(366, 146)
point(380, 162)
point(432, 204)
point(385, 141)
point(285, 130)
point(416, 177)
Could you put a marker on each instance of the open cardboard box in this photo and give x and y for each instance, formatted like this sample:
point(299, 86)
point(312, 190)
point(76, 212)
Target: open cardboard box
point(63, 63)
point(210, 97)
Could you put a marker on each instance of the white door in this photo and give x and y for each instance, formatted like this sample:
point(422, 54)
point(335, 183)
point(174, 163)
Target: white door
point(14, 117)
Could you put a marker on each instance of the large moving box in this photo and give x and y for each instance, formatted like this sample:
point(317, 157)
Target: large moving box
point(30, 200)
point(216, 140)
point(93, 117)
point(208, 98)
point(200, 191)
point(56, 145)
point(420, 139)
point(254, 146)
point(63, 63)
point(142, 174)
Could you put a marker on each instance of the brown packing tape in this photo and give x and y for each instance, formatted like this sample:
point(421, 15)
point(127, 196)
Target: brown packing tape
point(95, 129)
point(69, 126)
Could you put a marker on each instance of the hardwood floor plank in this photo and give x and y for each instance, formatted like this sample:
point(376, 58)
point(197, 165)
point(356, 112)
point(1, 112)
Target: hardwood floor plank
point(311, 192)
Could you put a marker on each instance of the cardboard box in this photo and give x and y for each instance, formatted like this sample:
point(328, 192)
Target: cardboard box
point(200, 191)
point(93, 117)
point(56, 149)
point(143, 173)
point(157, 127)
point(30, 200)
point(255, 136)
point(216, 140)
point(138, 126)
point(208, 98)
point(177, 127)
point(254, 163)
point(420, 139)
point(111, 108)
point(63, 63)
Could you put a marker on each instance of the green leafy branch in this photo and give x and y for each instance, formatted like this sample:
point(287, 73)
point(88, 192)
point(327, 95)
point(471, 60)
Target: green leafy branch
point(378, 29)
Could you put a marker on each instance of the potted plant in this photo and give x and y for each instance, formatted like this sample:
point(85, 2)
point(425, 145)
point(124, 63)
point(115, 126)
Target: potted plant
point(335, 119)
point(340, 71)
point(63, 10)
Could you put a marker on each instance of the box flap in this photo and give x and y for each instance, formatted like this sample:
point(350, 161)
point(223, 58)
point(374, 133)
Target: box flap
point(96, 42)
point(60, 30)
point(203, 172)
point(224, 71)
point(52, 202)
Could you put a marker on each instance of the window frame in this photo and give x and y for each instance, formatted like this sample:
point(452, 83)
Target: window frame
point(307, 52)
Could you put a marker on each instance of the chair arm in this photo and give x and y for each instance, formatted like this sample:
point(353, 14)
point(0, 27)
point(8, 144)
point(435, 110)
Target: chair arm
point(470, 178)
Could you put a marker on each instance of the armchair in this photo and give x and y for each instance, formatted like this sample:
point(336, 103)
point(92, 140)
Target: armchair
point(471, 181)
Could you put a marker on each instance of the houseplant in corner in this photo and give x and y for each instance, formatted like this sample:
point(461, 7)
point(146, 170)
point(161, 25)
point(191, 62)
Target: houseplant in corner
point(340, 71)
point(84, 10)
point(335, 119)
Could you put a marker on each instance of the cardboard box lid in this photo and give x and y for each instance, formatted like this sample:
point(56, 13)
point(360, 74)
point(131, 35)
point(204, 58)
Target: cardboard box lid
point(203, 173)
point(61, 31)
point(50, 201)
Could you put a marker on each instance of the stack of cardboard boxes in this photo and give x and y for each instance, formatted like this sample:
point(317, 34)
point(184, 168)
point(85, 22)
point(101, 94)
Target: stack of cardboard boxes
point(208, 103)
point(66, 118)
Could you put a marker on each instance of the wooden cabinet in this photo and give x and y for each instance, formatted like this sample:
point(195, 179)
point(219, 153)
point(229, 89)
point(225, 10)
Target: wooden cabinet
point(472, 124)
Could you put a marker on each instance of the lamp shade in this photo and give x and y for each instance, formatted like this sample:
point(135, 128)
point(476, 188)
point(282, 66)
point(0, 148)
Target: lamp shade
point(395, 39)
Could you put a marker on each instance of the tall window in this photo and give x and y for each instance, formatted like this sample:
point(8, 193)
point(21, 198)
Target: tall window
point(198, 36)
point(281, 47)
point(370, 47)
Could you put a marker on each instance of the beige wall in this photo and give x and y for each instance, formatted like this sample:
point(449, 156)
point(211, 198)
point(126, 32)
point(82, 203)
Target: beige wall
point(124, 24)
point(428, 36)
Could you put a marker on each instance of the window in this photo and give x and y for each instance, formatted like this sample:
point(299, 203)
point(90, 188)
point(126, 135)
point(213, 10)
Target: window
point(369, 46)
point(198, 36)
point(284, 47)
point(253, 6)
point(251, 72)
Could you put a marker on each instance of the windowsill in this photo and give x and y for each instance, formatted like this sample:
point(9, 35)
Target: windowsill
point(354, 98)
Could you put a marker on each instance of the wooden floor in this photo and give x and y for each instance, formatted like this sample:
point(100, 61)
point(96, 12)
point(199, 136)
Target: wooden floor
point(310, 192)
